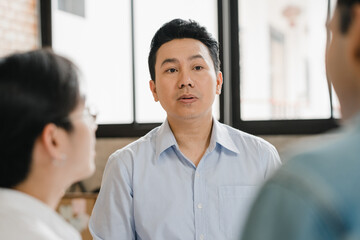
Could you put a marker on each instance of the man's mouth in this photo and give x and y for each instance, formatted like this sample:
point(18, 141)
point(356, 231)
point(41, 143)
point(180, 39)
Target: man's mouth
point(187, 98)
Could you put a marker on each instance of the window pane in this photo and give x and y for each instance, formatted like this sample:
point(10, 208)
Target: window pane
point(99, 42)
point(149, 17)
point(76, 7)
point(335, 105)
point(282, 59)
point(335, 99)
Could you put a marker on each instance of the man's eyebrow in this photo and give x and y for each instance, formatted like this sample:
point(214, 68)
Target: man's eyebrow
point(196, 56)
point(174, 60)
point(169, 60)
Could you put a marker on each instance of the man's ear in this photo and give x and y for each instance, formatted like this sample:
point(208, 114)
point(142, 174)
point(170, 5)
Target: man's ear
point(52, 138)
point(219, 82)
point(354, 40)
point(153, 90)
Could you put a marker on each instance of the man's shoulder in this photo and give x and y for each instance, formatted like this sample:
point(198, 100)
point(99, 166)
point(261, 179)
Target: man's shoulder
point(17, 224)
point(341, 146)
point(241, 137)
point(139, 146)
point(328, 162)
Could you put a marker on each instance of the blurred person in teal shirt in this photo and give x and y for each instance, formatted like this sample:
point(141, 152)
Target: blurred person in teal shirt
point(315, 194)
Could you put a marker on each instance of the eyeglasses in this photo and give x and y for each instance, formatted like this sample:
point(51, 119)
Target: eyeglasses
point(89, 113)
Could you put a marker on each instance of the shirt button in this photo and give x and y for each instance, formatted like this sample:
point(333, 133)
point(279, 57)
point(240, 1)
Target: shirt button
point(199, 205)
point(202, 237)
point(197, 174)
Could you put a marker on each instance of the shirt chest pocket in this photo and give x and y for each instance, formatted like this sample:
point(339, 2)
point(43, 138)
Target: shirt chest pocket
point(234, 205)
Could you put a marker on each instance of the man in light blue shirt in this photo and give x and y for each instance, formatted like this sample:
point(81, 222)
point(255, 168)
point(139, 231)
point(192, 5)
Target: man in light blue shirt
point(315, 195)
point(192, 177)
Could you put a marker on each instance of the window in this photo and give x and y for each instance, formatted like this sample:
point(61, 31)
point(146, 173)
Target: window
point(272, 54)
point(76, 7)
point(282, 49)
point(110, 42)
point(100, 44)
point(282, 87)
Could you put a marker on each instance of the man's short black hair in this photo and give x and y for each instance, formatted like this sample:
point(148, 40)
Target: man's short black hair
point(36, 88)
point(179, 29)
point(346, 13)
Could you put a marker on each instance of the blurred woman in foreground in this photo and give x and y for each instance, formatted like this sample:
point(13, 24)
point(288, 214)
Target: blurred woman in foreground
point(47, 142)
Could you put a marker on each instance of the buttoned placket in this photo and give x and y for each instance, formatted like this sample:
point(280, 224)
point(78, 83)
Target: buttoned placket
point(200, 206)
point(199, 202)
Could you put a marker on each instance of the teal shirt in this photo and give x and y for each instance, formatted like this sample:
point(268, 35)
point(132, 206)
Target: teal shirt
point(315, 195)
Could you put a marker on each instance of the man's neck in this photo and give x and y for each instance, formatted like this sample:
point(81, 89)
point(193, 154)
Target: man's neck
point(192, 136)
point(350, 106)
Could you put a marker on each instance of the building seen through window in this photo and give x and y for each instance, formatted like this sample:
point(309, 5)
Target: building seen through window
point(282, 53)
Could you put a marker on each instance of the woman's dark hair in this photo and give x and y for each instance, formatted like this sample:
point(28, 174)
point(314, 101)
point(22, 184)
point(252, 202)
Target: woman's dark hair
point(36, 88)
point(179, 29)
point(346, 13)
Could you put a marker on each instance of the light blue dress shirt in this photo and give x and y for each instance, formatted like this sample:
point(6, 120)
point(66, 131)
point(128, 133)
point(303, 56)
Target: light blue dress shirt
point(150, 190)
point(314, 196)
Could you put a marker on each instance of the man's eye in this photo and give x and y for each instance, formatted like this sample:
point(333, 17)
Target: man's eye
point(171, 70)
point(198, 68)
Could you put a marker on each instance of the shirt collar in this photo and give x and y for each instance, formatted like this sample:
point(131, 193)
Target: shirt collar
point(221, 135)
point(164, 139)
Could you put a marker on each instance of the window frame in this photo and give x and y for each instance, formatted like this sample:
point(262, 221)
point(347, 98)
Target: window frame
point(230, 98)
point(266, 127)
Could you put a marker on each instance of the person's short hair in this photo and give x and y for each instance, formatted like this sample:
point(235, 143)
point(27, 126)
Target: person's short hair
point(36, 88)
point(346, 13)
point(179, 29)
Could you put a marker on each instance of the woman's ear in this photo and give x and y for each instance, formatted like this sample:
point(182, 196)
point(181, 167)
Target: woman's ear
point(52, 138)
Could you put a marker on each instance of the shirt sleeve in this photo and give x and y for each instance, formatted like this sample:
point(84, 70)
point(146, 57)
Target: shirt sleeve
point(272, 159)
point(286, 210)
point(112, 216)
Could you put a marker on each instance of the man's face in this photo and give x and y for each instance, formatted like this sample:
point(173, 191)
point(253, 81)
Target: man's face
point(340, 64)
point(335, 55)
point(186, 82)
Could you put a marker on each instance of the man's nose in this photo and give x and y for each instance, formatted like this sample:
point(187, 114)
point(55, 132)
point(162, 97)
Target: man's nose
point(185, 80)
